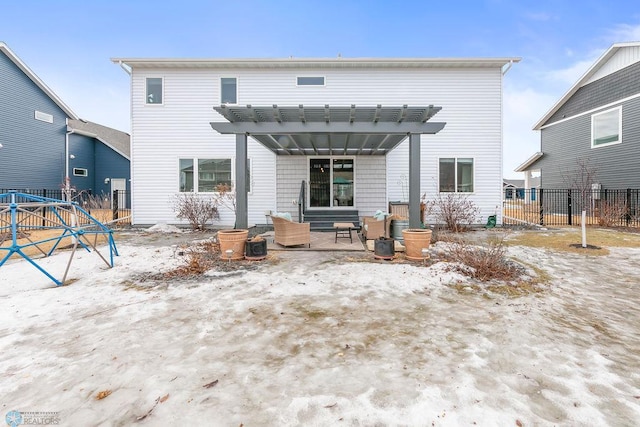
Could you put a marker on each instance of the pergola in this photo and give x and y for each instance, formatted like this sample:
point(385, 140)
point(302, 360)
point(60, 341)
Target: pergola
point(327, 130)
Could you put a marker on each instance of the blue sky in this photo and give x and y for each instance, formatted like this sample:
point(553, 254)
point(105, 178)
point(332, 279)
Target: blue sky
point(68, 43)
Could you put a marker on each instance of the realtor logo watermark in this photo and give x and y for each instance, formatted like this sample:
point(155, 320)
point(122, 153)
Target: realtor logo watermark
point(32, 418)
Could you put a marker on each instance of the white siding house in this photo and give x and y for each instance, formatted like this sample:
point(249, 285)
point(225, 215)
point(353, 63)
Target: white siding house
point(175, 124)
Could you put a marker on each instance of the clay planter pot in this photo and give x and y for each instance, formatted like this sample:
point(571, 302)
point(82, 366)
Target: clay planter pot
point(233, 240)
point(415, 239)
point(255, 250)
point(384, 248)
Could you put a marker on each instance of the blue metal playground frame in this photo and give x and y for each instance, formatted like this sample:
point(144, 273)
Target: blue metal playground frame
point(28, 212)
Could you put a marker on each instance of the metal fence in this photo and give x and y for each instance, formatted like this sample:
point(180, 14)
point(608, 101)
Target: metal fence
point(107, 208)
point(603, 207)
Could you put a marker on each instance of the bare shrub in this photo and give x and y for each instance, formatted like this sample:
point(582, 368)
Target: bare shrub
point(484, 263)
point(454, 210)
point(226, 197)
point(198, 210)
point(611, 213)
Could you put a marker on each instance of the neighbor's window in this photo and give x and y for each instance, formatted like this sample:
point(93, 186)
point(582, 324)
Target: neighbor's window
point(606, 127)
point(154, 90)
point(456, 175)
point(310, 81)
point(229, 90)
point(80, 172)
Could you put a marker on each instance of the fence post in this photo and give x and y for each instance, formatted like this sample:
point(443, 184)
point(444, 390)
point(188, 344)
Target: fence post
point(569, 208)
point(115, 204)
point(44, 211)
point(627, 215)
point(541, 201)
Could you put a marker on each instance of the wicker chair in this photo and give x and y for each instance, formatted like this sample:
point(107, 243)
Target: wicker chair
point(289, 233)
point(373, 228)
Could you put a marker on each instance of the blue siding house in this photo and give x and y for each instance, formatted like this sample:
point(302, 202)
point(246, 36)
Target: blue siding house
point(42, 141)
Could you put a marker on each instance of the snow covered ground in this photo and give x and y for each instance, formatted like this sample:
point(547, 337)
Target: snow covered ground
point(313, 339)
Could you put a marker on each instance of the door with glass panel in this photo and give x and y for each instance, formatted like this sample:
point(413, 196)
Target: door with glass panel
point(331, 182)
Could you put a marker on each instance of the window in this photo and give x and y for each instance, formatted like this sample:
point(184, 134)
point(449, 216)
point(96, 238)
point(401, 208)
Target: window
point(228, 90)
point(154, 90)
point(310, 81)
point(606, 128)
point(204, 174)
point(80, 172)
point(456, 175)
point(186, 175)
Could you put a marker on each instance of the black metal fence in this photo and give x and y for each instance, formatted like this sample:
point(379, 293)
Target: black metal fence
point(604, 207)
point(106, 208)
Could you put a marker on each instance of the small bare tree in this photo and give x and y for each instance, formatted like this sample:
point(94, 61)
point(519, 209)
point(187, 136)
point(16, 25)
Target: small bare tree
point(199, 210)
point(582, 178)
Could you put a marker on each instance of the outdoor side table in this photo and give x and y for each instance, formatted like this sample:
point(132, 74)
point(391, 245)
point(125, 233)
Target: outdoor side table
point(343, 229)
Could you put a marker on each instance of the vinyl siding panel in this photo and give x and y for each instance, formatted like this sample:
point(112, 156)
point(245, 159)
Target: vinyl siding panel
point(617, 166)
point(621, 59)
point(83, 150)
point(612, 88)
point(161, 134)
point(33, 151)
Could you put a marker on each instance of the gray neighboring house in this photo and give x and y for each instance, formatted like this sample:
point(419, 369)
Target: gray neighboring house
point(596, 122)
point(42, 141)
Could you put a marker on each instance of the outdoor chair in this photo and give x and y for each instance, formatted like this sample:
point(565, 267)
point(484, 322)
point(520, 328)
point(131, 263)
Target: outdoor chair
point(289, 233)
point(373, 228)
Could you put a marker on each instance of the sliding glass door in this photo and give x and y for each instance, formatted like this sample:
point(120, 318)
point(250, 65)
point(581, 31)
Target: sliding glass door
point(331, 182)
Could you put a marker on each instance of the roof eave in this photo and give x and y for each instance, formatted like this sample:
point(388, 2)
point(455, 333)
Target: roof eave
point(314, 62)
point(530, 161)
point(25, 69)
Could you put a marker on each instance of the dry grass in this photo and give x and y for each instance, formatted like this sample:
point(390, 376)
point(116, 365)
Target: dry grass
point(562, 239)
point(34, 236)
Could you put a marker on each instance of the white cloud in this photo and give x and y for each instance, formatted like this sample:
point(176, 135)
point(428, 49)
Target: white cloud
point(625, 33)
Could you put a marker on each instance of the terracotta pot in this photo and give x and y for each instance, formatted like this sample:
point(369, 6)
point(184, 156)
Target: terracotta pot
point(416, 239)
point(233, 240)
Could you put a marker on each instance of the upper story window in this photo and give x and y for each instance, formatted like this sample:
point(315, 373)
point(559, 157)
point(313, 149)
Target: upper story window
point(456, 175)
point(606, 128)
point(310, 81)
point(228, 90)
point(154, 90)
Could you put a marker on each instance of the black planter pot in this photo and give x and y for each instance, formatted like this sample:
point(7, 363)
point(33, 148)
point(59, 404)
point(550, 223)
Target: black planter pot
point(384, 248)
point(256, 250)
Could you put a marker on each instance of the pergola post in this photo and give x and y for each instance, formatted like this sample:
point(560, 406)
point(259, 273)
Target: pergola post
point(242, 205)
point(414, 180)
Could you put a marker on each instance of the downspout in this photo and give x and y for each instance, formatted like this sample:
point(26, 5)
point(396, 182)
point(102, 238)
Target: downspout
point(67, 179)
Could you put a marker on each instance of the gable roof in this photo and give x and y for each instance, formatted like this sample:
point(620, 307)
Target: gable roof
point(586, 77)
point(113, 138)
point(34, 78)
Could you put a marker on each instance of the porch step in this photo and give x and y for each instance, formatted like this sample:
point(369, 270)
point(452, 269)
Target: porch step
point(322, 220)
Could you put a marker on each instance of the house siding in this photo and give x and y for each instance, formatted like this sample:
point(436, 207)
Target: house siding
point(83, 150)
point(33, 151)
point(472, 108)
point(611, 88)
point(108, 164)
point(616, 166)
